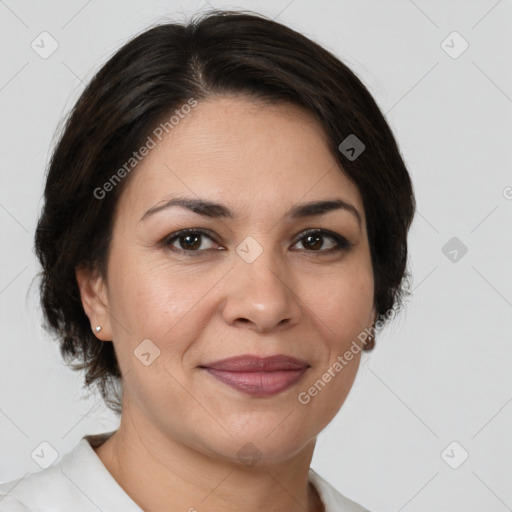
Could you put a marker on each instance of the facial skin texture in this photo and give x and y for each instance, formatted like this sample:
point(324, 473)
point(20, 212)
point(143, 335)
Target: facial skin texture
point(181, 429)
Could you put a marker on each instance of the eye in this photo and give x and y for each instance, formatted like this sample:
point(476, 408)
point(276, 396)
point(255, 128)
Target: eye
point(188, 240)
point(313, 240)
point(192, 241)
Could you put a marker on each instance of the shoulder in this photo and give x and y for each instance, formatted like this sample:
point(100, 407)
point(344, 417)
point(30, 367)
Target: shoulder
point(24, 493)
point(36, 491)
point(10, 504)
point(79, 482)
point(332, 499)
point(67, 484)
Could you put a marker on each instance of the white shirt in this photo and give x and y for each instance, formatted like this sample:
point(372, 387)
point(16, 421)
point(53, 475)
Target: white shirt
point(79, 482)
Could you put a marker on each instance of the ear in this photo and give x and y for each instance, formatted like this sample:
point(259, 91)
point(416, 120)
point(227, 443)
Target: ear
point(93, 292)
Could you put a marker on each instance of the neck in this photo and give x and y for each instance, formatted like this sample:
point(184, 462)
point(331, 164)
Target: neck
point(164, 474)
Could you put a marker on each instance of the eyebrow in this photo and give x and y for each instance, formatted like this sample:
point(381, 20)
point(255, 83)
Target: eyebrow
point(216, 210)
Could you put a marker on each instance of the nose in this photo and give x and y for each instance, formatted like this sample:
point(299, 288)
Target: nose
point(260, 295)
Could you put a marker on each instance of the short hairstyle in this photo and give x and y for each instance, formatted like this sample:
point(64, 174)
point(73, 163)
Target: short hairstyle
point(216, 53)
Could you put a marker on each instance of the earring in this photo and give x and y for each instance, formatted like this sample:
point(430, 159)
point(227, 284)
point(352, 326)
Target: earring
point(370, 343)
point(97, 328)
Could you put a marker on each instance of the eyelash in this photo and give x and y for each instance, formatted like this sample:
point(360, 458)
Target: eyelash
point(342, 244)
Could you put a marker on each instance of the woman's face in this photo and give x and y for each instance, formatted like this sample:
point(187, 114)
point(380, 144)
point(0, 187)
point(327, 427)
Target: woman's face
point(253, 283)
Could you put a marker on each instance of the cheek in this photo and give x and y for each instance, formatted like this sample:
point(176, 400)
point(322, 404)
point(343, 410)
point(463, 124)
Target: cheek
point(157, 302)
point(151, 303)
point(171, 304)
point(349, 309)
point(342, 302)
point(341, 312)
point(145, 293)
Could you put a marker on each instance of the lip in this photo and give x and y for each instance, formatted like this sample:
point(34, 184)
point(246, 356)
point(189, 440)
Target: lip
point(258, 376)
point(250, 363)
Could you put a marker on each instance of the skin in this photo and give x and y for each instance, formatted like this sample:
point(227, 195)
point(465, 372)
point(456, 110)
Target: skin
point(181, 429)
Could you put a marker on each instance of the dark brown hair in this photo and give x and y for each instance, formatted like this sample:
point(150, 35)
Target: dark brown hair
point(217, 53)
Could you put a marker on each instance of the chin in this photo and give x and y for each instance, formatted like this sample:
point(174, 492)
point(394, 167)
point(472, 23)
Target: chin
point(257, 447)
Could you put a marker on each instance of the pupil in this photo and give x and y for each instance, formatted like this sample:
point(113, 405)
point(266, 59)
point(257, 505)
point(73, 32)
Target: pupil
point(314, 239)
point(188, 238)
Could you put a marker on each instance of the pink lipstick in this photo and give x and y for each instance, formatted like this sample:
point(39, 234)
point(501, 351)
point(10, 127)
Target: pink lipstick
point(258, 376)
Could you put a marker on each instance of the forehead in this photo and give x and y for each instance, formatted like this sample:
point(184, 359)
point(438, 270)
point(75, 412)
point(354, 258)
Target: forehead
point(239, 151)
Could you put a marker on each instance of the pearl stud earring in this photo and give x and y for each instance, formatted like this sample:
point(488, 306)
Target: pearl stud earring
point(97, 328)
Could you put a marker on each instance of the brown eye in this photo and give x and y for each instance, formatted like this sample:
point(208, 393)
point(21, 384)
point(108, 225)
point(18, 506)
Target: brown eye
point(188, 241)
point(197, 241)
point(314, 241)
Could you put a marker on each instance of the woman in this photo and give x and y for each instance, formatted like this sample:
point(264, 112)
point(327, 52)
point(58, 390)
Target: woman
point(224, 229)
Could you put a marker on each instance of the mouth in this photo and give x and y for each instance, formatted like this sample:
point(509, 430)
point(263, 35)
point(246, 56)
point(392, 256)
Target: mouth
point(258, 376)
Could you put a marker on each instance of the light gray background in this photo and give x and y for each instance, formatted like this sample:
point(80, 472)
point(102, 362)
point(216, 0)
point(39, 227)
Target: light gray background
point(442, 371)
